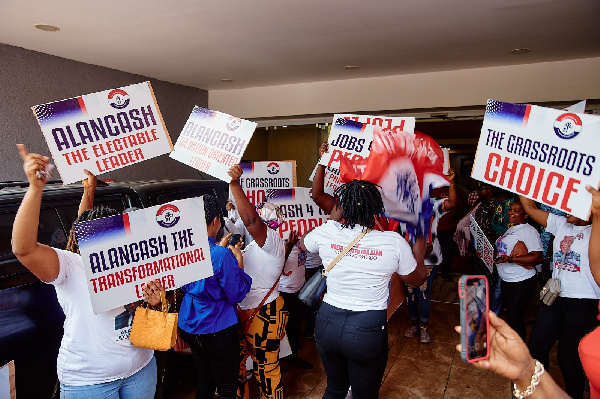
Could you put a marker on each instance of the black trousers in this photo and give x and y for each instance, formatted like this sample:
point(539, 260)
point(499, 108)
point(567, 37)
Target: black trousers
point(293, 328)
point(217, 359)
point(448, 246)
point(515, 298)
point(566, 321)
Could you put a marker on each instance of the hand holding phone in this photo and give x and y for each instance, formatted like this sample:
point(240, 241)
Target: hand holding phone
point(474, 321)
point(235, 239)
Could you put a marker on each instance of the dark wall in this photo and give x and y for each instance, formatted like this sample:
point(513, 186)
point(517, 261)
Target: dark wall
point(29, 78)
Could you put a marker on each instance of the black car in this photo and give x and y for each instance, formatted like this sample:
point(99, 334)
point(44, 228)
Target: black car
point(31, 320)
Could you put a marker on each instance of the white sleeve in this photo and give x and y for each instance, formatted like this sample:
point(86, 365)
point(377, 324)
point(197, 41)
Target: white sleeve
point(406, 260)
point(555, 223)
point(532, 240)
point(310, 241)
point(274, 245)
point(64, 266)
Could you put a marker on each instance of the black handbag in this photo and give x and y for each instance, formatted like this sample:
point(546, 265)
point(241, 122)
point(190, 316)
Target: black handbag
point(314, 288)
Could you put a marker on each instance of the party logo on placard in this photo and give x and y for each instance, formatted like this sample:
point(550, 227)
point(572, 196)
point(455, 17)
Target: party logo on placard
point(118, 99)
point(167, 216)
point(233, 123)
point(273, 168)
point(567, 126)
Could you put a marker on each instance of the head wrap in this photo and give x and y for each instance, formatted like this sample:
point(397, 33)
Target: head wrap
point(270, 214)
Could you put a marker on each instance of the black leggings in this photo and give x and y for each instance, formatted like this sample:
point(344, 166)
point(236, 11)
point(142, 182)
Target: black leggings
point(567, 320)
point(515, 298)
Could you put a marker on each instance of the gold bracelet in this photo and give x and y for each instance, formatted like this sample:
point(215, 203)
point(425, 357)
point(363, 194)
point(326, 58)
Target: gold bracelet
point(535, 380)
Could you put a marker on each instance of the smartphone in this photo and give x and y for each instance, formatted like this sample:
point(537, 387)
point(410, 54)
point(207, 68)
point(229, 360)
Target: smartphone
point(474, 308)
point(234, 239)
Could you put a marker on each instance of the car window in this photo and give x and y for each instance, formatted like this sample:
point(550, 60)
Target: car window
point(50, 230)
point(163, 197)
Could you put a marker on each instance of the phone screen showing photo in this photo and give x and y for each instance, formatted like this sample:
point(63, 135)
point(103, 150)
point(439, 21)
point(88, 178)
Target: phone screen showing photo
point(476, 322)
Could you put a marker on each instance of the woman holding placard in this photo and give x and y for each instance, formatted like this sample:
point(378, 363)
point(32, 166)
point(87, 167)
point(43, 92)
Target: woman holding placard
point(94, 360)
point(518, 251)
point(574, 311)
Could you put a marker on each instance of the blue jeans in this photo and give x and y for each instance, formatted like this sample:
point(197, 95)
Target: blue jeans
point(140, 385)
point(217, 360)
point(421, 296)
point(353, 347)
point(567, 320)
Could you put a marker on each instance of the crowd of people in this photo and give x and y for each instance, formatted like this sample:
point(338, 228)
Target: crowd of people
point(244, 309)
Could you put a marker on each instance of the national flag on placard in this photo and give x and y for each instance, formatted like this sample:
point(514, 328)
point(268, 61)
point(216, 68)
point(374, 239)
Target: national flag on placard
point(64, 109)
point(113, 227)
point(280, 194)
point(516, 114)
point(203, 113)
point(247, 167)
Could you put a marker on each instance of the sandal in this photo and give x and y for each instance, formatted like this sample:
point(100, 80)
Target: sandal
point(411, 332)
point(425, 338)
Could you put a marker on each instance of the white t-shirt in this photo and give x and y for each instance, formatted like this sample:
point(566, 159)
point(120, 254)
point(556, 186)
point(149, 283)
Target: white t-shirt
point(512, 272)
point(94, 348)
point(359, 281)
point(234, 224)
point(294, 269)
point(264, 265)
point(575, 277)
point(313, 260)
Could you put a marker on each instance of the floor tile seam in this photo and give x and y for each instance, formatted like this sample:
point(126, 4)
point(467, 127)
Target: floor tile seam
point(315, 387)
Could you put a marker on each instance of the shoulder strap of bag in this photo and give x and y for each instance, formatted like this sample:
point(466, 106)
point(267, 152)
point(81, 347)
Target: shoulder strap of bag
point(345, 251)
point(265, 298)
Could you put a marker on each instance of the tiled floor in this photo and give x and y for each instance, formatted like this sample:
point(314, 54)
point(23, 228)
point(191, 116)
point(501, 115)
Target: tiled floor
point(414, 370)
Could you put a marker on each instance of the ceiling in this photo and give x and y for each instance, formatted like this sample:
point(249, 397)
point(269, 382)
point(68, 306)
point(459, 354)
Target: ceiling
point(274, 42)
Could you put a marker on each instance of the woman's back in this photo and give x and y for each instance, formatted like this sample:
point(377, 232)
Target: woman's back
point(359, 281)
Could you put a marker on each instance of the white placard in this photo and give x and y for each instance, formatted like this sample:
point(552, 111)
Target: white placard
point(260, 176)
point(299, 211)
point(121, 253)
point(351, 137)
point(8, 389)
point(103, 131)
point(482, 245)
point(544, 154)
point(212, 141)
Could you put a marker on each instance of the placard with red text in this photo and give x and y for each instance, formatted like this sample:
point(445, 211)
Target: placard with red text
point(212, 141)
point(544, 154)
point(351, 138)
point(257, 177)
point(121, 253)
point(103, 131)
point(299, 211)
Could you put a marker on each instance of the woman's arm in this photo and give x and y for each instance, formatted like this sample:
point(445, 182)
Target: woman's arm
point(89, 189)
point(594, 246)
point(538, 215)
point(254, 225)
point(321, 198)
point(40, 259)
point(419, 275)
point(452, 200)
point(510, 358)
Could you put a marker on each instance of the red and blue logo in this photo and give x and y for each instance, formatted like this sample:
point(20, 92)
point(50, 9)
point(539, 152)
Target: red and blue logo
point(273, 168)
point(567, 126)
point(167, 216)
point(118, 99)
point(233, 123)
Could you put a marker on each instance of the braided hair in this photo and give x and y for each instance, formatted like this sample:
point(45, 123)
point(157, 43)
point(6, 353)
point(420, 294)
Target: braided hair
point(97, 212)
point(361, 203)
point(212, 209)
